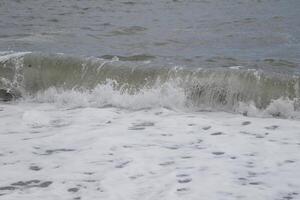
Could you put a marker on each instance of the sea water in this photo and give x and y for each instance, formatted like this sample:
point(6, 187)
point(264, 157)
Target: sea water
point(149, 100)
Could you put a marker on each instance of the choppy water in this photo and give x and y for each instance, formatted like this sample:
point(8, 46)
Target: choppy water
point(232, 32)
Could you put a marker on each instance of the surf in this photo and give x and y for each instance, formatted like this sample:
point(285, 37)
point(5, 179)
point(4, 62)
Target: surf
point(104, 81)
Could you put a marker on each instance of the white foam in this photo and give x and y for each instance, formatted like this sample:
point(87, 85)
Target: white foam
point(112, 153)
point(236, 67)
point(168, 95)
point(5, 56)
point(35, 118)
point(165, 95)
point(280, 108)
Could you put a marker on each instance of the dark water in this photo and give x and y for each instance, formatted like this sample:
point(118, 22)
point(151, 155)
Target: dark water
point(193, 33)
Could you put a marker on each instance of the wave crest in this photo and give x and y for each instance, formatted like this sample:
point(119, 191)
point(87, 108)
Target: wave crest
point(76, 81)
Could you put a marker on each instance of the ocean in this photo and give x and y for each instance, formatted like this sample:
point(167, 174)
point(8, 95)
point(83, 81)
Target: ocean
point(170, 99)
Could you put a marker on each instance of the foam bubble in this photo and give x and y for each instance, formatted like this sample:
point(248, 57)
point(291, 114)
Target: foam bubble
point(169, 95)
point(7, 55)
point(279, 108)
point(282, 107)
point(162, 95)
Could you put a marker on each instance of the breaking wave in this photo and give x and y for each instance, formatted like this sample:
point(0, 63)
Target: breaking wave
point(136, 84)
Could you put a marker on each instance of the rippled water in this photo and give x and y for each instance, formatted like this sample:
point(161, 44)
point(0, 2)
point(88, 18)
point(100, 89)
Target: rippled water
point(190, 33)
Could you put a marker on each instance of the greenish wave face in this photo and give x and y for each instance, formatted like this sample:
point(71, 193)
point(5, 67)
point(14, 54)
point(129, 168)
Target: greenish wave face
point(218, 88)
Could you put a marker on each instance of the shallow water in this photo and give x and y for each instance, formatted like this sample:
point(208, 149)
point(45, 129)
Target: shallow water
point(115, 153)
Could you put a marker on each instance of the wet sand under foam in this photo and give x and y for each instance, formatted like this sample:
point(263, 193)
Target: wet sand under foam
point(49, 152)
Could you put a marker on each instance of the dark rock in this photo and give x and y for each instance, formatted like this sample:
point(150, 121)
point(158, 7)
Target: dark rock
point(5, 95)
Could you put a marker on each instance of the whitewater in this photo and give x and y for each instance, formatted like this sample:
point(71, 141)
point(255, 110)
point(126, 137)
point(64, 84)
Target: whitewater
point(155, 137)
point(54, 152)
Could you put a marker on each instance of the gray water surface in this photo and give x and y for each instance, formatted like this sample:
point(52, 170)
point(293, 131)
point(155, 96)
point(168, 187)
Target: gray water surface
point(193, 33)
